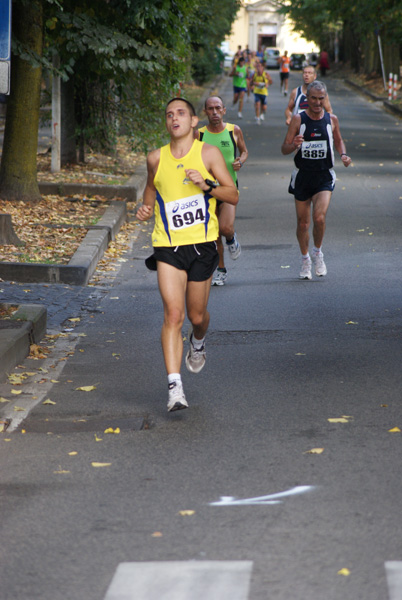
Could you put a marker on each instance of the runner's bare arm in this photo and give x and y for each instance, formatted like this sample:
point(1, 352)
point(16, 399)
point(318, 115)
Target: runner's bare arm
point(338, 141)
point(293, 139)
point(241, 144)
point(327, 104)
point(290, 106)
point(146, 210)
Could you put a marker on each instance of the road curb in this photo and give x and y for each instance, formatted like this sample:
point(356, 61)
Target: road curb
point(129, 191)
point(83, 263)
point(386, 103)
point(27, 326)
point(16, 339)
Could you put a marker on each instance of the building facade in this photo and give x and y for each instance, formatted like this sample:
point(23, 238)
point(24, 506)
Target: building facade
point(259, 24)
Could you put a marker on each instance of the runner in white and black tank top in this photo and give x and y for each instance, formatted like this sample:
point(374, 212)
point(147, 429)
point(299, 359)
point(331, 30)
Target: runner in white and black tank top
point(300, 101)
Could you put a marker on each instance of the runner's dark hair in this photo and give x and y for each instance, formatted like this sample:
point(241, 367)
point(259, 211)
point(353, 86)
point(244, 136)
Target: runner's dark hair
point(191, 107)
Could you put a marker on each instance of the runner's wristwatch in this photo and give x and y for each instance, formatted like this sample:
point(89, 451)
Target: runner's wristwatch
point(212, 185)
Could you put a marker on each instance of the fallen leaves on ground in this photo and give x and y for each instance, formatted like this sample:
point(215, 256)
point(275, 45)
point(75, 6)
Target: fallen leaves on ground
point(34, 223)
point(98, 168)
point(86, 388)
point(71, 214)
point(343, 419)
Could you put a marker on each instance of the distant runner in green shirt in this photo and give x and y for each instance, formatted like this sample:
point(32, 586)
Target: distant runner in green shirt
point(239, 74)
point(229, 139)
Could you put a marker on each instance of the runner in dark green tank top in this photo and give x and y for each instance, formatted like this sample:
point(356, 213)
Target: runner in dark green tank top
point(229, 139)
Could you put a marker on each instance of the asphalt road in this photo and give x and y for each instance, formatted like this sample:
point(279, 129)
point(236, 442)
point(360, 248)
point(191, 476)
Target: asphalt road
point(204, 487)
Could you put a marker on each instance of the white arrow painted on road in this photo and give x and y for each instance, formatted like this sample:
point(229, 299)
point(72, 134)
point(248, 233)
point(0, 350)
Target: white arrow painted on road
point(271, 499)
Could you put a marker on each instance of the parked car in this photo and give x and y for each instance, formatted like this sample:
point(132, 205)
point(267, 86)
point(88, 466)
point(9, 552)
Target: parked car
point(298, 61)
point(271, 56)
point(228, 60)
point(312, 59)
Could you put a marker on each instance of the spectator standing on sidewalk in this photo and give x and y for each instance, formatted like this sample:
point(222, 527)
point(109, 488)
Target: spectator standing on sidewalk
point(239, 74)
point(298, 98)
point(313, 134)
point(185, 178)
point(284, 69)
point(230, 140)
point(324, 63)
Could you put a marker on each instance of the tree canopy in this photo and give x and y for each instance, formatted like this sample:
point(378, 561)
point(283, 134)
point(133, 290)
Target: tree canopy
point(124, 59)
point(355, 25)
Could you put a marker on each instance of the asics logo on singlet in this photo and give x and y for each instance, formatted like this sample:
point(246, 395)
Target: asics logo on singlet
point(312, 145)
point(189, 204)
point(184, 205)
point(224, 143)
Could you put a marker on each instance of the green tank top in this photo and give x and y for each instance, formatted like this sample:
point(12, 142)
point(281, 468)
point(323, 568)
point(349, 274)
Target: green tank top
point(240, 77)
point(226, 143)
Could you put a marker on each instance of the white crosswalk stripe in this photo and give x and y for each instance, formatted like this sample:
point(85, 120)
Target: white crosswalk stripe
point(393, 569)
point(176, 580)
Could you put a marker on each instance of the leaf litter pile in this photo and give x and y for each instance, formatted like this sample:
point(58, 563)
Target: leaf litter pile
point(52, 229)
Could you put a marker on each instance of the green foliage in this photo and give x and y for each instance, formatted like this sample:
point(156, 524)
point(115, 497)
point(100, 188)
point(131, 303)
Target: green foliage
point(209, 25)
point(356, 22)
point(127, 58)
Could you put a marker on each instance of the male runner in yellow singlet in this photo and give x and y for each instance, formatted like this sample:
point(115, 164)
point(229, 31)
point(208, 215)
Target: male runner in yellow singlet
point(229, 139)
point(181, 191)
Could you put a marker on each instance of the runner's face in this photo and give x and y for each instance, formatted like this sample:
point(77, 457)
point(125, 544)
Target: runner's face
point(179, 121)
point(315, 100)
point(309, 76)
point(215, 111)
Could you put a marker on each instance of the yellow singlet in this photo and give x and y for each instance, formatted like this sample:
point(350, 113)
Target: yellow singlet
point(184, 214)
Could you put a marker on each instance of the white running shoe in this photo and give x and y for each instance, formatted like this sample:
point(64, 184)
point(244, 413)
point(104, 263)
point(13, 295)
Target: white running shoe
point(219, 277)
point(305, 271)
point(258, 120)
point(195, 359)
point(262, 117)
point(239, 115)
point(234, 248)
point(177, 399)
point(319, 264)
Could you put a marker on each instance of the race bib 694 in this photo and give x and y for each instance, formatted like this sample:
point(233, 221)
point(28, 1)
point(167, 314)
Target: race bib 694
point(186, 212)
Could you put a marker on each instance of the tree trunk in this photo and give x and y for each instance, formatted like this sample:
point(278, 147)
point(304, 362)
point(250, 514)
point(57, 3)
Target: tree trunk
point(7, 233)
point(18, 163)
point(391, 58)
point(68, 126)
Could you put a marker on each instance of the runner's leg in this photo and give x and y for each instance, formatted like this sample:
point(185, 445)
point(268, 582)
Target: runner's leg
point(172, 286)
point(303, 214)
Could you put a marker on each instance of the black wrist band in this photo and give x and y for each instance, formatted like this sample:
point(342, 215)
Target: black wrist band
point(208, 190)
point(343, 154)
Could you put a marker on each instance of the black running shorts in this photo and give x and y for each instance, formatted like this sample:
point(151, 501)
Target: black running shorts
point(198, 260)
point(305, 184)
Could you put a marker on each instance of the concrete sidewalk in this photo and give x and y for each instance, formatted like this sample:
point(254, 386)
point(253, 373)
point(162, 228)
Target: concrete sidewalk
point(67, 292)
